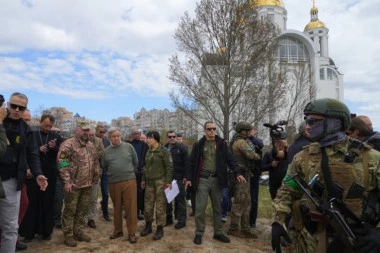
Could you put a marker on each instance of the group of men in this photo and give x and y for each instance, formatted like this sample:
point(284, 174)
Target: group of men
point(334, 174)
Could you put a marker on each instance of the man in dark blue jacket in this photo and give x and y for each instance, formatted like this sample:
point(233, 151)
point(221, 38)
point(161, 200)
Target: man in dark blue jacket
point(207, 172)
point(180, 156)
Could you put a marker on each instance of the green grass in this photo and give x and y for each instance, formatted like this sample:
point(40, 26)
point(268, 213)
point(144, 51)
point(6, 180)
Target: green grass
point(265, 202)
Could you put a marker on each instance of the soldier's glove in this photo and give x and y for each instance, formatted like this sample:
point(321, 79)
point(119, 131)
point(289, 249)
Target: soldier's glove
point(279, 231)
point(369, 240)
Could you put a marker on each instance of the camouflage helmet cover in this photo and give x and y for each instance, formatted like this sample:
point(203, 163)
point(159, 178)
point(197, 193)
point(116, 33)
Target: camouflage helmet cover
point(329, 107)
point(243, 125)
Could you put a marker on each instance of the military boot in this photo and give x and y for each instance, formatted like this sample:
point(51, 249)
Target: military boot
point(70, 241)
point(82, 237)
point(159, 233)
point(147, 230)
point(235, 232)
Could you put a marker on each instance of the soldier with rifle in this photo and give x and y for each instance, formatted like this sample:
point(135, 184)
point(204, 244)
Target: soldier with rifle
point(327, 189)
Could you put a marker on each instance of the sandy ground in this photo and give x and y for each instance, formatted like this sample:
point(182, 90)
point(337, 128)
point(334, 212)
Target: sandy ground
point(173, 240)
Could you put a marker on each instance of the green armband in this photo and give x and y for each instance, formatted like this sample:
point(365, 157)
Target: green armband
point(291, 183)
point(63, 164)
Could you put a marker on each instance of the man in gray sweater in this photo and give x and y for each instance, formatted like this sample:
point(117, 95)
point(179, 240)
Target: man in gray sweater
point(120, 161)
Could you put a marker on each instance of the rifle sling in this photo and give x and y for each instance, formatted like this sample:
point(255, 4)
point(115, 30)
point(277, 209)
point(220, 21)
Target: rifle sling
point(327, 175)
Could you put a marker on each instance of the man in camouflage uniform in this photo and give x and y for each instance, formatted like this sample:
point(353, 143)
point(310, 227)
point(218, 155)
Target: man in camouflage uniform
point(76, 158)
point(331, 151)
point(245, 155)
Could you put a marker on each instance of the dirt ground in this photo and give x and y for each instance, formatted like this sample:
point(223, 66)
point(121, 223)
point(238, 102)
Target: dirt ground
point(173, 241)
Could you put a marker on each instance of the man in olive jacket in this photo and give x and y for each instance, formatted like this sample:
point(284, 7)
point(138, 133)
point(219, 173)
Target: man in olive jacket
point(207, 172)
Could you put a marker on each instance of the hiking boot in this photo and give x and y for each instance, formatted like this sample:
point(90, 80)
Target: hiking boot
point(70, 241)
point(82, 237)
point(249, 234)
point(236, 233)
point(147, 230)
point(159, 233)
point(222, 238)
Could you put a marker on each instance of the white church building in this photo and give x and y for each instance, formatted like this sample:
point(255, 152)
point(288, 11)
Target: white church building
point(311, 45)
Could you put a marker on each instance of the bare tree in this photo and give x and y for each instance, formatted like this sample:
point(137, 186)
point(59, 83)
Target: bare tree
point(226, 68)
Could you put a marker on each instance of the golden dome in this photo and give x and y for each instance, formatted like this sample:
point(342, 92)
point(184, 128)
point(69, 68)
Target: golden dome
point(257, 3)
point(314, 9)
point(314, 24)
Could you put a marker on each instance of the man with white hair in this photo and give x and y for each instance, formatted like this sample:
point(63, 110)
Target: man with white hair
point(120, 161)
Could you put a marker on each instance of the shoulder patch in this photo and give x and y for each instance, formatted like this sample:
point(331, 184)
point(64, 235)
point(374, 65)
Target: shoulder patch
point(62, 155)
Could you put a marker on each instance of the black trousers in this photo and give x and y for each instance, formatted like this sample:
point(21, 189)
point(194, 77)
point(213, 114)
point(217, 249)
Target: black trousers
point(38, 218)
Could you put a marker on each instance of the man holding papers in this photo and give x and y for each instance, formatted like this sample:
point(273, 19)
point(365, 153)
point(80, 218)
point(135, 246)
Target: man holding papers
point(180, 159)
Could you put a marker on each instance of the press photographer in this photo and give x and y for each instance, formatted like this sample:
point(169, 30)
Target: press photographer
point(275, 160)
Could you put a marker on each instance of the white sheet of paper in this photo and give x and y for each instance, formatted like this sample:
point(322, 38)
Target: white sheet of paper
point(171, 194)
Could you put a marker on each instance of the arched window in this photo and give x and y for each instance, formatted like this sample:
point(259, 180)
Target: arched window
point(292, 49)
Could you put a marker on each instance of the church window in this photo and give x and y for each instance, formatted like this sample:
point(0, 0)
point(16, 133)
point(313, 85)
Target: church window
point(322, 74)
point(292, 49)
point(270, 17)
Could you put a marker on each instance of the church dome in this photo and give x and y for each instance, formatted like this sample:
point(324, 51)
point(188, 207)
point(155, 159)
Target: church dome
point(314, 24)
point(258, 3)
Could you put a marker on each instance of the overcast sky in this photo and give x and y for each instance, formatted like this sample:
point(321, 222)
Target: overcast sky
point(106, 59)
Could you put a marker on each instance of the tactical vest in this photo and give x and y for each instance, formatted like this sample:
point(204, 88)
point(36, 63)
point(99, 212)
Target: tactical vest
point(342, 173)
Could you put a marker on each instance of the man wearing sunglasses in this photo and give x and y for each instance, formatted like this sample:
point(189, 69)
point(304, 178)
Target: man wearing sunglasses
point(337, 168)
point(180, 158)
point(207, 173)
point(21, 153)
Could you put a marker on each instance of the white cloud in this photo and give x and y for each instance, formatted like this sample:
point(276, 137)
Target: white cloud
point(119, 47)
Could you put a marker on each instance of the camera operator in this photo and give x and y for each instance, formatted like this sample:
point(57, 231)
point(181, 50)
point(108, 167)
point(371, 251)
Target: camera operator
point(275, 160)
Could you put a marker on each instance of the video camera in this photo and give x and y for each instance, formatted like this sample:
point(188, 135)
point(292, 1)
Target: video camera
point(276, 130)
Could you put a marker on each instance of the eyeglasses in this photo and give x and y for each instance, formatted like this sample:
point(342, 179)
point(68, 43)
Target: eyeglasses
point(312, 121)
point(21, 108)
point(171, 137)
point(211, 128)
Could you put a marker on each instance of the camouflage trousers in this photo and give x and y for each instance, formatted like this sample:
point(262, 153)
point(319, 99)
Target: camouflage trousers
point(304, 242)
point(76, 207)
point(155, 195)
point(241, 206)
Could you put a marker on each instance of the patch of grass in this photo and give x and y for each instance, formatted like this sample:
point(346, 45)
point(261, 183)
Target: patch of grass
point(265, 202)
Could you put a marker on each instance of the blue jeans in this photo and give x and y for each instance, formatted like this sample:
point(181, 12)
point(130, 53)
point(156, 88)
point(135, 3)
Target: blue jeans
point(104, 189)
point(254, 189)
point(226, 202)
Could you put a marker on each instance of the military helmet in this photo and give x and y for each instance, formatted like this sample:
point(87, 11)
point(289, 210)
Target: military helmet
point(243, 125)
point(329, 107)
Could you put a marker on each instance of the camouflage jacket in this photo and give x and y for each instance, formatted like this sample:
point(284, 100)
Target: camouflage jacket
point(243, 152)
point(98, 153)
point(307, 163)
point(76, 163)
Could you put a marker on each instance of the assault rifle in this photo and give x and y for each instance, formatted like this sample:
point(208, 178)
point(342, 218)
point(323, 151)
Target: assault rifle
point(334, 211)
